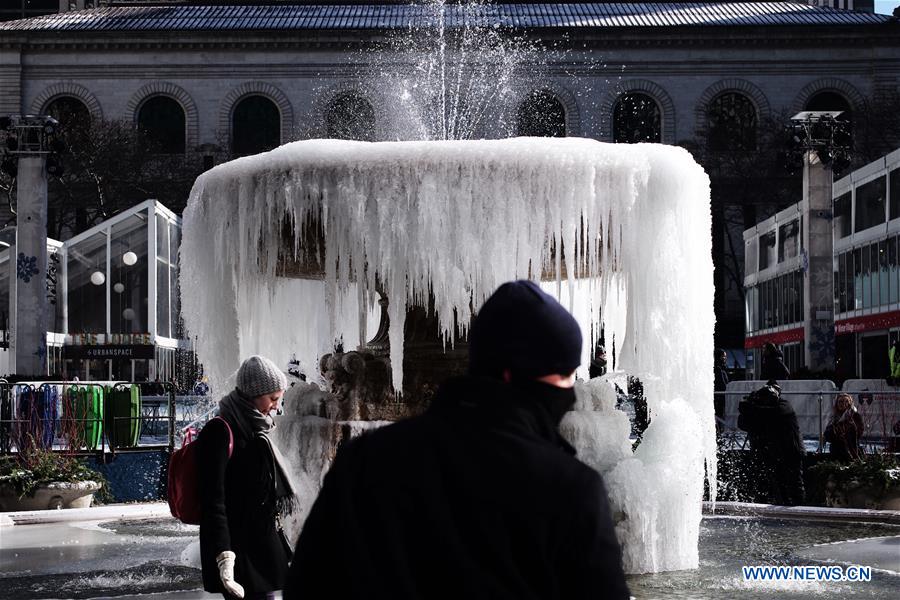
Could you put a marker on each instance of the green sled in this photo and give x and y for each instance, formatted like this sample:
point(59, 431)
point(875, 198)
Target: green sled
point(123, 416)
point(83, 413)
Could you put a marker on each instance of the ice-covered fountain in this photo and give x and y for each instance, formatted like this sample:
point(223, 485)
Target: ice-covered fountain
point(366, 261)
point(448, 221)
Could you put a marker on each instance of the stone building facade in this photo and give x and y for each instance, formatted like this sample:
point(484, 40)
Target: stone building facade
point(768, 61)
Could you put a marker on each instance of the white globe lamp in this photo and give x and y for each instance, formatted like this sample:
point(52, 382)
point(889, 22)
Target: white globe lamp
point(98, 278)
point(128, 314)
point(129, 258)
point(119, 288)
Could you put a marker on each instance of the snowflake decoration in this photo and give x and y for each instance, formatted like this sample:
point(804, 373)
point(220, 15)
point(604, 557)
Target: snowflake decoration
point(822, 345)
point(26, 267)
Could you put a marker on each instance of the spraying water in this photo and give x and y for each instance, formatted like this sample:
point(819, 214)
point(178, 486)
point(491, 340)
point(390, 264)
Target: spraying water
point(453, 220)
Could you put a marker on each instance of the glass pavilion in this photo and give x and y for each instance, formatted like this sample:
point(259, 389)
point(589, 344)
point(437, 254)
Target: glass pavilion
point(114, 298)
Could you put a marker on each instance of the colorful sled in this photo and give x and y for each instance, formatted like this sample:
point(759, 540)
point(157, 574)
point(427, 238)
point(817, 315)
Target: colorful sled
point(83, 416)
point(36, 416)
point(123, 416)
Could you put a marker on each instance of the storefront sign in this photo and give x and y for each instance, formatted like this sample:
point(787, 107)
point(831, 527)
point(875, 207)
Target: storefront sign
point(108, 351)
point(874, 322)
point(777, 338)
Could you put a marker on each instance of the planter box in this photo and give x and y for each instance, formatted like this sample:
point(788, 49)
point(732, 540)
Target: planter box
point(861, 496)
point(49, 496)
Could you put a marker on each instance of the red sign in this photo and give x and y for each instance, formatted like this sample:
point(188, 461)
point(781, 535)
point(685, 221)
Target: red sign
point(777, 338)
point(875, 322)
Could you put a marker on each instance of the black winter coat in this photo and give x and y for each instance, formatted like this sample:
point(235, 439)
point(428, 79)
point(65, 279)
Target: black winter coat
point(773, 367)
point(478, 498)
point(237, 499)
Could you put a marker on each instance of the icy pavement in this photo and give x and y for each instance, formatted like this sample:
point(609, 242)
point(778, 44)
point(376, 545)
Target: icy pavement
point(94, 559)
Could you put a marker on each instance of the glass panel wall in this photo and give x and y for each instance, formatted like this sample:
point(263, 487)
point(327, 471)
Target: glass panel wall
point(168, 303)
point(86, 280)
point(870, 206)
point(895, 193)
point(766, 250)
point(128, 275)
point(775, 302)
point(750, 255)
point(842, 216)
point(788, 240)
point(869, 277)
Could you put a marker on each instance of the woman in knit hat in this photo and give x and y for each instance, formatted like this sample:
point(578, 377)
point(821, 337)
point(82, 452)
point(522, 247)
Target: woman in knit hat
point(245, 488)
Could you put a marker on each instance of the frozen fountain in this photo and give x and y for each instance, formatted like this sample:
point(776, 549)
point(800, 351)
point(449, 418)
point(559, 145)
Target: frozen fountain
point(366, 262)
point(442, 224)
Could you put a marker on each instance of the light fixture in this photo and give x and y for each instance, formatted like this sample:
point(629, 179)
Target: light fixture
point(119, 288)
point(98, 278)
point(128, 314)
point(129, 258)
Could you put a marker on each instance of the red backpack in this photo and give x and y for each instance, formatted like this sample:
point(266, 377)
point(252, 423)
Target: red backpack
point(183, 493)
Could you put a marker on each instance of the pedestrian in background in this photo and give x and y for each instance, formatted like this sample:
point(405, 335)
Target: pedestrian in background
point(844, 429)
point(773, 367)
point(720, 384)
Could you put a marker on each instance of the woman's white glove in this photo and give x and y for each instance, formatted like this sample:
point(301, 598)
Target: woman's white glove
point(225, 560)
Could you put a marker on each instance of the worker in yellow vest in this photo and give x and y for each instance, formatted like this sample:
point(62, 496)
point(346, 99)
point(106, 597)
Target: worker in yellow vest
point(894, 358)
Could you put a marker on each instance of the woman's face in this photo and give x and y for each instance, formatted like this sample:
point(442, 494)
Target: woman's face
point(268, 402)
point(842, 404)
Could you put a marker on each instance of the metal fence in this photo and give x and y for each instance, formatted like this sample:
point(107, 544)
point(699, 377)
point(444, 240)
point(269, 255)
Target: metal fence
point(77, 417)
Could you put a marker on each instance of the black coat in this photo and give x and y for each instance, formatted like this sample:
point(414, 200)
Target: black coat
point(237, 498)
point(773, 367)
point(479, 497)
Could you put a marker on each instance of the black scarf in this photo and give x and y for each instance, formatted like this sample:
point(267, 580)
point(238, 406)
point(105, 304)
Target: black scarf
point(240, 412)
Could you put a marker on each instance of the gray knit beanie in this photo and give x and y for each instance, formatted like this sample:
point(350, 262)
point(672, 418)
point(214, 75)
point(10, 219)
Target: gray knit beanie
point(259, 376)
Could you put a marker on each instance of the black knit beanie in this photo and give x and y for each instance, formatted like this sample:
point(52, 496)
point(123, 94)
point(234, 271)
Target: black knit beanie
point(525, 330)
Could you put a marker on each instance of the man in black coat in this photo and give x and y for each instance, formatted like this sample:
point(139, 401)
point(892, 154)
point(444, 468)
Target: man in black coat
point(773, 367)
point(776, 444)
point(480, 497)
point(720, 385)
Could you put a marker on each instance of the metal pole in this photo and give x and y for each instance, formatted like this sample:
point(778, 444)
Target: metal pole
point(821, 435)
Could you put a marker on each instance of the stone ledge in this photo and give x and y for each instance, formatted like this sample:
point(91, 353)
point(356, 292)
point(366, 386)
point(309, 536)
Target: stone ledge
point(112, 512)
point(802, 512)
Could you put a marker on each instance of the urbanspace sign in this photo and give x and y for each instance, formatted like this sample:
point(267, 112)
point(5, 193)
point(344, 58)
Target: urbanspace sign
point(109, 351)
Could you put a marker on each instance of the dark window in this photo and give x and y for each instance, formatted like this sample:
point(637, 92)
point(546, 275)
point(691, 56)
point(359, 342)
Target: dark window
point(870, 203)
point(895, 193)
point(255, 126)
point(788, 240)
point(842, 221)
point(732, 122)
point(350, 117)
point(766, 250)
point(162, 120)
point(69, 111)
point(541, 114)
point(831, 101)
point(636, 118)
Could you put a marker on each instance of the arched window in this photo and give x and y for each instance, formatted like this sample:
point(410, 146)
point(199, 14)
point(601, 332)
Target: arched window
point(350, 117)
point(834, 102)
point(541, 114)
point(636, 118)
point(162, 120)
point(69, 111)
point(732, 121)
point(255, 126)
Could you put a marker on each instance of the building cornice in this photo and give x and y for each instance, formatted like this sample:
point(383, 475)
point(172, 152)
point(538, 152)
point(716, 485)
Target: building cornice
point(780, 37)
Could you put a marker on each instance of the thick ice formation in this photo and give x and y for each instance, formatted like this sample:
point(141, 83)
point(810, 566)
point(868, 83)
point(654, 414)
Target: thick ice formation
point(456, 219)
